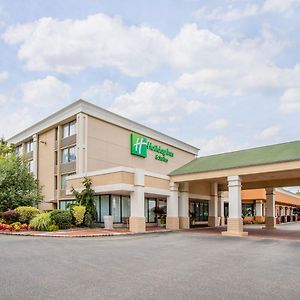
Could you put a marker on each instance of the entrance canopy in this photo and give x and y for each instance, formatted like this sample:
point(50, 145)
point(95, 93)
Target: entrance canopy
point(269, 166)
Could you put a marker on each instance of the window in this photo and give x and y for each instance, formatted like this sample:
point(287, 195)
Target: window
point(63, 180)
point(29, 146)
point(68, 129)
point(150, 205)
point(68, 155)
point(116, 205)
point(248, 210)
point(30, 166)
point(18, 150)
point(65, 204)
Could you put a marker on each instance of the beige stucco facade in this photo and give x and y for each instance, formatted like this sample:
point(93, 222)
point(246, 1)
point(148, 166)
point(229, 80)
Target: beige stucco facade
point(83, 140)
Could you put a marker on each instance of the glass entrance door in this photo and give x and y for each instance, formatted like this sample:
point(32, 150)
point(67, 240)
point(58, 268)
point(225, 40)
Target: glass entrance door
point(199, 210)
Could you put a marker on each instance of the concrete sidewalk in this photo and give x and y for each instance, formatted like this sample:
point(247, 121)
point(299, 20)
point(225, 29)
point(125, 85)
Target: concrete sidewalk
point(287, 231)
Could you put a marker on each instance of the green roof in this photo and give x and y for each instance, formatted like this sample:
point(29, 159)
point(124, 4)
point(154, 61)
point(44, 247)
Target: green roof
point(250, 157)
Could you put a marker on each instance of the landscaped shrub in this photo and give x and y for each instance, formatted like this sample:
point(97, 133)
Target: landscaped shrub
point(78, 212)
point(53, 227)
point(27, 213)
point(10, 216)
point(62, 218)
point(2, 221)
point(41, 222)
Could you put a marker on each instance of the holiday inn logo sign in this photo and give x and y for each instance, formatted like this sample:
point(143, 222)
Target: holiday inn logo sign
point(139, 145)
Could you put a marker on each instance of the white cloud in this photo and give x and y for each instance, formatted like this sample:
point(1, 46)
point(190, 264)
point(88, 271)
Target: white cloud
point(103, 92)
point(290, 100)
point(227, 14)
point(47, 92)
point(232, 13)
point(269, 133)
point(156, 103)
point(97, 41)
point(13, 122)
point(215, 145)
point(3, 75)
point(218, 124)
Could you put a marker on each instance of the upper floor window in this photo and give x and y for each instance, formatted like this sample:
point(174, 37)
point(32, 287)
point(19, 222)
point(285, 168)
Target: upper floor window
point(68, 155)
point(63, 180)
point(68, 129)
point(18, 150)
point(30, 166)
point(29, 146)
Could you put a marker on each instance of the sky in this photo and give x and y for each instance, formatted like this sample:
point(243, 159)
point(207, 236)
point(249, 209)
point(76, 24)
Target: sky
point(220, 75)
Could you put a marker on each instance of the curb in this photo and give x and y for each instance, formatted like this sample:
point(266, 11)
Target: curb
point(84, 235)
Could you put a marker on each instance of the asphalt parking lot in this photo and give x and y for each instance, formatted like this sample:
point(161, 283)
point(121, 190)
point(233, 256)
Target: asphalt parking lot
point(180, 265)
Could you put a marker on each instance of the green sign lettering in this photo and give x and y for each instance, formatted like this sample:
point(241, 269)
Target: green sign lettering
point(139, 146)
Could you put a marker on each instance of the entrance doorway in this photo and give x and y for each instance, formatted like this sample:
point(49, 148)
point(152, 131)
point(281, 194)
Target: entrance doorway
point(199, 210)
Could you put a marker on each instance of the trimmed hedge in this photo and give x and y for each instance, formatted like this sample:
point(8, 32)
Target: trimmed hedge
point(27, 213)
point(61, 218)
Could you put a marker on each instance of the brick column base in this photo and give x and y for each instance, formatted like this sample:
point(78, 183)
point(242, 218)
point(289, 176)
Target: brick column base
point(184, 222)
point(234, 227)
point(213, 221)
point(260, 219)
point(172, 223)
point(270, 223)
point(137, 224)
point(222, 221)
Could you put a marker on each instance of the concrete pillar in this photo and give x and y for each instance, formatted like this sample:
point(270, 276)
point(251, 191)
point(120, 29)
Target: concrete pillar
point(234, 222)
point(213, 219)
point(137, 201)
point(183, 206)
point(221, 208)
point(35, 147)
point(259, 210)
point(270, 209)
point(172, 221)
point(81, 143)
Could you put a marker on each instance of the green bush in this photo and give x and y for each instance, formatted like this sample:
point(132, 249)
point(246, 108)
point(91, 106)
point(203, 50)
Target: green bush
point(41, 222)
point(78, 212)
point(53, 227)
point(27, 213)
point(62, 218)
point(10, 216)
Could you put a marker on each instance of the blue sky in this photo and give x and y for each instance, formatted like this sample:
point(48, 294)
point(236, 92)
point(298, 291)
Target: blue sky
point(221, 75)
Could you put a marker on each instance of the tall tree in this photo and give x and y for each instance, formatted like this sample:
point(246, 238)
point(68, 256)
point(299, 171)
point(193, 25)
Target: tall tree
point(5, 148)
point(18, 187)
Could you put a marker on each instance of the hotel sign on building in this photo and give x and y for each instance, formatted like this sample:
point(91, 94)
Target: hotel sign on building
point(139, 145)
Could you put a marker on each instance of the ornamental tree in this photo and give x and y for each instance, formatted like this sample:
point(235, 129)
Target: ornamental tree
point(86, 198)
point(18, 187)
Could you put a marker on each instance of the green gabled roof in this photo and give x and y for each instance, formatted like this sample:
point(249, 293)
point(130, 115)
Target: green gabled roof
point(250, 157)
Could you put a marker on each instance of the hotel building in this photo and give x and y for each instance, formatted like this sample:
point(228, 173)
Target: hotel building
point(131, 168)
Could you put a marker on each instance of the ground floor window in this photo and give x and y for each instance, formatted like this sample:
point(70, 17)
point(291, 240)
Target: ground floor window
point(150, 206)
point(248, 210)
point(64, 204)
point(199, 210)
point(117, 206)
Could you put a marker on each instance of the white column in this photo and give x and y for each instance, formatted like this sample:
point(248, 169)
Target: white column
point(35, 155)
point(235, 222)
point(172, 221)
point(270, 209)
point(184, 217)
point(213, 219)
point(221, 208)
point(81, 142)
point(259, 211)
point(137, 203)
